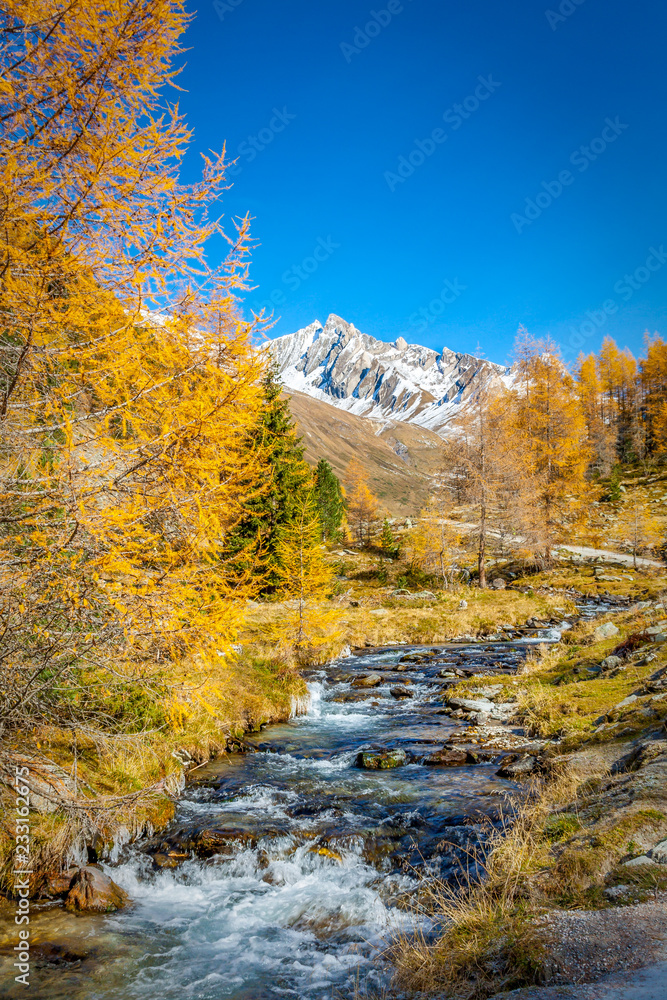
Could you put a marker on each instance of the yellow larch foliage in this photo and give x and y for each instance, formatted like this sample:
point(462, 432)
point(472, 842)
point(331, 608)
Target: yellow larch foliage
point(362, 505)
point(307, 624)
point(121, 467)
point(551, 426)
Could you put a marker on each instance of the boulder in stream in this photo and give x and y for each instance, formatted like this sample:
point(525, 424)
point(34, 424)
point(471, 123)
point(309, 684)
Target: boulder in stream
point(447, 758)
point(380, 760)
point(369, 681)
point(400, 692)
point(94, 892)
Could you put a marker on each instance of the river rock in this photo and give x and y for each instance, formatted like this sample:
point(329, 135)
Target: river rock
point(210, 840)
point(520, 768)
point(400, 692)
point(380, 760)
point(606, 631)
point(94, 892)
point(59, 883)
point(447, 758)
point(369, 681)
point(472, 704)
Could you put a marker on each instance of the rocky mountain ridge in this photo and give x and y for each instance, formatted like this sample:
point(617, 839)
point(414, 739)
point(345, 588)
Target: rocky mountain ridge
point(339, 365)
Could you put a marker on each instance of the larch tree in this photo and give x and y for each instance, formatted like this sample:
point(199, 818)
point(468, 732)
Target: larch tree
point(653, 373)
point(600, 433)
point(484, 468)
point(306, 623)
point(122, 469)
point(638, 527)
point(550, 427)
point(362, 505)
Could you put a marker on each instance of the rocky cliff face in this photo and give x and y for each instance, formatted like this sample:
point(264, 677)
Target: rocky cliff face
point(341, 366)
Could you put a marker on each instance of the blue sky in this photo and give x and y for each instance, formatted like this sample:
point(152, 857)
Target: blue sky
point(444, 171)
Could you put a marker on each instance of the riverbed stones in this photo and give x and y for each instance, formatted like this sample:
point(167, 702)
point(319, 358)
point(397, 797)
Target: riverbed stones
point(380, 760)
point(399, 692)
point(367, 681)
point(92, 891)
point(447, 758)
point(210, 841)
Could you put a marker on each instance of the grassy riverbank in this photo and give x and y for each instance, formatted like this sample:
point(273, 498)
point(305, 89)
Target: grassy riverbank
point(601, 800)
point(92, 787)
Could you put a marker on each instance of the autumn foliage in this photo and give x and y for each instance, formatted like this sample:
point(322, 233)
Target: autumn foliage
point(127, 378)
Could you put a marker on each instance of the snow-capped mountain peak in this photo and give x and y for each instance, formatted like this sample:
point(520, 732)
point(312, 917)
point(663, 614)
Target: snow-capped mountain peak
point(340, 365)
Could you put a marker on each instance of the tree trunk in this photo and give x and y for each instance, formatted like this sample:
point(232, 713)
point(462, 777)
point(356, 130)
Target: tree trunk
point(481, 561)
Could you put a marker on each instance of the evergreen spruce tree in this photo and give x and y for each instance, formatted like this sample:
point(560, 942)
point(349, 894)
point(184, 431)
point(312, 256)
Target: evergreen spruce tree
point(387, 542)
point(329, 500)
point(256, 541)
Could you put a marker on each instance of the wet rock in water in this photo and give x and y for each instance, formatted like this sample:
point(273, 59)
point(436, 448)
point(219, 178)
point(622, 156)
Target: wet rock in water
point(209, 841)
point(400, 692)
point(517, 768)
point(169, 859)
point(380, 760)
point(369, 681)
point(447, 758)
point(94, 892)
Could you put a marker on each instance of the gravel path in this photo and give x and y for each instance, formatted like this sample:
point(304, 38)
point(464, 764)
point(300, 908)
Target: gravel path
point(617, 557)
point(623, 949)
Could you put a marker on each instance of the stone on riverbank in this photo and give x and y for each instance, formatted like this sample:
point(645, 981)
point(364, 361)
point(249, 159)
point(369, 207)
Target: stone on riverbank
point(94, 892)
point(520, 768)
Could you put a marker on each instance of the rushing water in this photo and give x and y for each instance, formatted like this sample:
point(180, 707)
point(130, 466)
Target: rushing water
point(316, 858)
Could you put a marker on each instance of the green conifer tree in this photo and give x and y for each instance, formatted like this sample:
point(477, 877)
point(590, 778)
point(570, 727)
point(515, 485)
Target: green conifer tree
point(256, 541)
point(387, 542)
point(329, 500)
